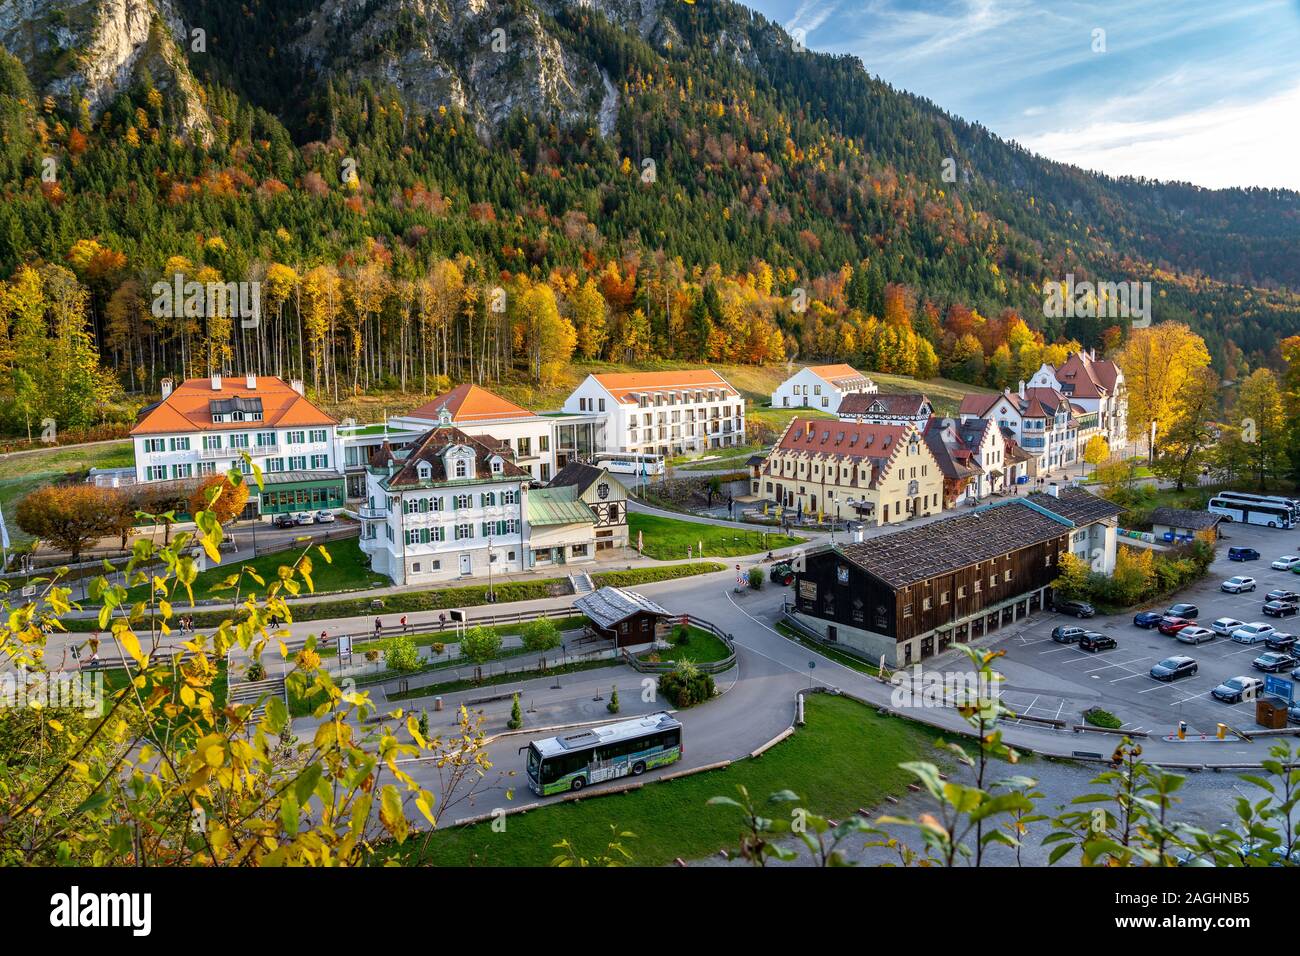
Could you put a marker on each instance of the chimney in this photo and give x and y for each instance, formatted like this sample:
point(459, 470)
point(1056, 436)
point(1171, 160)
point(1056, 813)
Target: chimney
point(297, 386)
point(1094, 355)
point(1054, 490)
point(166, 387)
point(809, 428)
point(1022, 388)
point(216, 382)
point(252, 381)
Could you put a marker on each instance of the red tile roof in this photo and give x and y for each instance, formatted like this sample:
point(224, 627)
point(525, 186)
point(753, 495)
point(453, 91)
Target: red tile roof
point(469, 404)
point(625, 385)
point(189, 407)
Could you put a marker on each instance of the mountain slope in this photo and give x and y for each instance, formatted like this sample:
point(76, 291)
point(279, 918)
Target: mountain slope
point(644, 131)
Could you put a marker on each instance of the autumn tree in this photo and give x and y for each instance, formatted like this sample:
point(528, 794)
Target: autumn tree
point(1188, 440)
point(1261, 424)
point(70, 516)
point(219, 495)
point(1158, 363)
point(1096, 450)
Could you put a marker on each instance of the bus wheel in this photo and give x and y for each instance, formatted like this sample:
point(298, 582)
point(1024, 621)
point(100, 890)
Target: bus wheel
point(577, 784)
point(638, 768)
point(1272, 524)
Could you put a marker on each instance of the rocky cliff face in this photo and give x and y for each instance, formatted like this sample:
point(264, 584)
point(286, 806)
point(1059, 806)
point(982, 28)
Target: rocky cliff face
point(488, 58)
point(97, 48)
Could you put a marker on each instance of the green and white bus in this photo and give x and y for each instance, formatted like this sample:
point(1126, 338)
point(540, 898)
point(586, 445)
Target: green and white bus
point(628, 748)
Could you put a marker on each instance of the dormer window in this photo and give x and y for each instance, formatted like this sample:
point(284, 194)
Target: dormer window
point(496, 466)
point(425, 471)
point(462, 469)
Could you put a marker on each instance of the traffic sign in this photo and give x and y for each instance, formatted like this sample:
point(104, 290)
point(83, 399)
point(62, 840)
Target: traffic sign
point(1276, 686)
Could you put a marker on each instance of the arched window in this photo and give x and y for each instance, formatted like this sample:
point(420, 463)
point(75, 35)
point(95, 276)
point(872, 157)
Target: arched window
point(461, 469)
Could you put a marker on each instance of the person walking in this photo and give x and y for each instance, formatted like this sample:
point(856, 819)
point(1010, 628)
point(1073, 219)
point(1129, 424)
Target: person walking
point(442, 620)
point(379, 627)
point(404, 624)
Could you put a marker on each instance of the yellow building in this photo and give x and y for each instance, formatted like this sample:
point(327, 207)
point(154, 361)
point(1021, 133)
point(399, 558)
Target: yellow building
point(878, 474)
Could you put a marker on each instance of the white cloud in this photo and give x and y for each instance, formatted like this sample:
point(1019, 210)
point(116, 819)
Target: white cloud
point(1221, 145)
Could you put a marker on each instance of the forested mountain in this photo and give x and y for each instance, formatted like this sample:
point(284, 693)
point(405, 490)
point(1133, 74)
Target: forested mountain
point(476, 188)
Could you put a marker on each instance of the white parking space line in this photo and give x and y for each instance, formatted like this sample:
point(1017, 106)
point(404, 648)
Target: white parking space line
point(1124, 664)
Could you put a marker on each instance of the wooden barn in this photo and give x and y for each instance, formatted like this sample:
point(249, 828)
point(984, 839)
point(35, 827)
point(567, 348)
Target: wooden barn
point(908, 595)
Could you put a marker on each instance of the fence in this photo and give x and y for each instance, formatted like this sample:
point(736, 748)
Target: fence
point(707, 667)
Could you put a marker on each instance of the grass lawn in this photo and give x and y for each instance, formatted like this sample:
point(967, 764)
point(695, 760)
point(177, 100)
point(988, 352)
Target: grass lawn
point(461, 596)
point(20, 474)
point(426, 639)
point(777, 418)
point(700, 647)
point(845, 758)
point(346, 572)
point(667, 539)
point(945, 393)
point(848, 660)
point(451, 686)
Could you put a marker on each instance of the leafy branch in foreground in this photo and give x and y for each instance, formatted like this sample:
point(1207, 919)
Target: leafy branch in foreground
point(168, 773)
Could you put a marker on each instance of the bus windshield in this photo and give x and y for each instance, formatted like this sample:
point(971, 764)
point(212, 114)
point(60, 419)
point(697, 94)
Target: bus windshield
point(534, 762)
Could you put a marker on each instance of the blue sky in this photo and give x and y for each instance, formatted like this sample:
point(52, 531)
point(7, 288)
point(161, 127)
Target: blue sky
point(1205, 91)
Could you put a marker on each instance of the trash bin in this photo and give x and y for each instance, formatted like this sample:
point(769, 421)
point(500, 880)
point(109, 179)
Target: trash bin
point(1270, 712)
point(437, 703)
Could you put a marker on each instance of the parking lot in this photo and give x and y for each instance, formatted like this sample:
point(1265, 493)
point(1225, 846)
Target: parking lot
point(1047, 679)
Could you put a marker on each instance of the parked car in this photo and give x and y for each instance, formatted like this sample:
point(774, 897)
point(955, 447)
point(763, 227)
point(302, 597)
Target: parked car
point(1286, 562)
point(1236, 689)
point(324, 517)
point(1224, 626)
point(1196, 635)
point(1282, 594)
point(1172, 668)
point(1274, 662)
point(1147, 619)
point(1242, 554)
point(782, 573)
point(1293, 713)
point(283, 521)
point(1066, 634)
point(1169, 624)
point(1253, 632)
point(1280, 608)
point(1238, 584)
point(1277, 641)
point(1094, 641)
point(1077, 608)
point(303, 517)
point(1189, 611)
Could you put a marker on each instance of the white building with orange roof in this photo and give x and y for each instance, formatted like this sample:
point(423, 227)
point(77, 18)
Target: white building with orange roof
point(542, 444)
point(822, 387)
point(662, 413)
point(206, 425)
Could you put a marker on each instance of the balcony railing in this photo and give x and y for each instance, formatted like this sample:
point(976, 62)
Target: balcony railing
point(373, 513)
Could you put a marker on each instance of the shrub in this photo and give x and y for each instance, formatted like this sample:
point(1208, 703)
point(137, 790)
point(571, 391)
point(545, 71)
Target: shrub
point(401, 654)
point(1102, 718)
point(756, 579)
point(255, 672)
point(681, 634)
point(613, 705)
point(516, 716)
point(685, 686)
point(438, 647)
point(372, 655)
